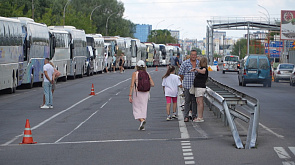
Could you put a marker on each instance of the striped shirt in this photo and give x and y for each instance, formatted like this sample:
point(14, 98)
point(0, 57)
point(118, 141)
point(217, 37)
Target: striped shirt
point(188, 76)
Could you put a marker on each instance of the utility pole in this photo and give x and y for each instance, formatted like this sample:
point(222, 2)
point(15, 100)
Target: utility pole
point(32, 9)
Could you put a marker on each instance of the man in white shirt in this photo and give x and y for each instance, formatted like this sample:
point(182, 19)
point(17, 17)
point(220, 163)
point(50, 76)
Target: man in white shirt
point(47, 84)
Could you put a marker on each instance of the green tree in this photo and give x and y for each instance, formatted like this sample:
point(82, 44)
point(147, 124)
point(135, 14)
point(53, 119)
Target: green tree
point(161, 37)
point(77, 14)
point(240, 48)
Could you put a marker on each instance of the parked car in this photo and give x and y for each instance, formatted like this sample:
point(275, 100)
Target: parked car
point(255, 69)
point(283, 72)
point(292, 78)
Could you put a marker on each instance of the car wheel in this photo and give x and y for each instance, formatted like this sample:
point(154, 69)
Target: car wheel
point(243, 82)
point(276, 80)
point(240, 83)
point(269, 84)
point(223, 72)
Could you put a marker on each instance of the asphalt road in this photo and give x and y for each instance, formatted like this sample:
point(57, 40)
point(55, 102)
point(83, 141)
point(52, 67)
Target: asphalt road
point(100, 129)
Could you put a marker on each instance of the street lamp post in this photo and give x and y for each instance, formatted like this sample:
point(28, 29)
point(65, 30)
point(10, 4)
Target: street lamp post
point(93, 11)
point(107, 23)
point(156, 32)
point(165, 31)
point(65, 11)
point(266, 11)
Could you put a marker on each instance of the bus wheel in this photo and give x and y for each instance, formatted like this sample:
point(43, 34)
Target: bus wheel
point(30, 85)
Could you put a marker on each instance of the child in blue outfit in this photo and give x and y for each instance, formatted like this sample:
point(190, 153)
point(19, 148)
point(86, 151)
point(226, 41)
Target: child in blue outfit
point(170, 84)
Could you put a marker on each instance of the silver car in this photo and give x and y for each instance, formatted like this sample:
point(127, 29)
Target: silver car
point(283, 72)
point(292, 78)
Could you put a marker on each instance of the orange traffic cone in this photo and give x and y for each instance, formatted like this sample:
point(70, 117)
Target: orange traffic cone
point(156, 68)
point(92, 90)
point(28, 139)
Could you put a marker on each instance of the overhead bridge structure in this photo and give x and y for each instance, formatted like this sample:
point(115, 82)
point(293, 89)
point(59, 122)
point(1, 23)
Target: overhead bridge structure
point(236, 24)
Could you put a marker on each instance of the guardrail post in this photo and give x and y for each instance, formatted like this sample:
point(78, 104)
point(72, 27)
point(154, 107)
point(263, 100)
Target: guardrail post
point(232, 126)
point(252, 131)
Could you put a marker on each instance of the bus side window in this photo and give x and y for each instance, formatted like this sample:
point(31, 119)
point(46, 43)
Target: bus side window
point(1, 33)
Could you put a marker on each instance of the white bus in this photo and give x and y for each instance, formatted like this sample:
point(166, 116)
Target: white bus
point(11, 54)
point(36, 49)
point(135, 55)
point(95, 42)
point(111, 48)
point(164, 58)
point(150, 53)
point(127, 52)
point(98, 53)
point(61, 51)
point(78, 49)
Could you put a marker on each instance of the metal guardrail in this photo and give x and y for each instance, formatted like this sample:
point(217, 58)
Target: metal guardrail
point(223, 100)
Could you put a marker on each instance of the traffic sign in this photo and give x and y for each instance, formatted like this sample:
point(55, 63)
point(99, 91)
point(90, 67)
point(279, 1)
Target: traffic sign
point(215, 63)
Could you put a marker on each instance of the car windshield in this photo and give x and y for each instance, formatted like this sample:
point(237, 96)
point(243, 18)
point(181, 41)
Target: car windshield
point(231, 58)
point(286, 66)
point(263, 64)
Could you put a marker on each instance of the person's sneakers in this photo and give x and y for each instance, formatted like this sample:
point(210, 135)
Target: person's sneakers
point(50, 106)
point(168, 118)
point(198, 120)
point(44, 107)
point(174, 116)
point(141, 126)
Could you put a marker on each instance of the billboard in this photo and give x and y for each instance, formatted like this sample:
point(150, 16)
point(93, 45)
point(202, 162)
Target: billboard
point(287, 24)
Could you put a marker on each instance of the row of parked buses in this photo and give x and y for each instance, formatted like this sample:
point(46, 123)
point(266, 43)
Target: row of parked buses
point(24, 44)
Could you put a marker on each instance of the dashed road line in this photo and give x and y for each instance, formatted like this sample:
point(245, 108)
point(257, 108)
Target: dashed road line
point(188, 155)
point(288, 163)
point(292, 149)
point(282, 153)
point(52, 117)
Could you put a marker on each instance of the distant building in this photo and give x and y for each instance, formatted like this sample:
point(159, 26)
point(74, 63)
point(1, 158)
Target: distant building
point(142, 32)
point(175, 34)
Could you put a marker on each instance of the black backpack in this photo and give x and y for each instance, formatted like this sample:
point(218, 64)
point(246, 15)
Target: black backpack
point(144, 84)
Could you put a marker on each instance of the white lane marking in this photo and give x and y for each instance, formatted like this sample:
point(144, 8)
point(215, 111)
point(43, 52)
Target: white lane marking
point(189, 162)
point(186, 150)
point(52, 117)
point(110, 99)
point(200, 130)
point(189, 158)
point(117, 93)
point(104, 104)
point(282, 153)
point(187, 144)
point(292, 149)
point(182, 127)
point(186, 147)
point(288, 163)
point(99, 141)
point(272, 132)
point(77, 127)
point(187, 154)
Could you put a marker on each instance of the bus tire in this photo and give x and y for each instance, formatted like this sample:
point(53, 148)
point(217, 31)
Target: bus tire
point(31, 84)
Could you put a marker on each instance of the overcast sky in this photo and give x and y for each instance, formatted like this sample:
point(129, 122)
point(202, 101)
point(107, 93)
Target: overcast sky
point(190, 16)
